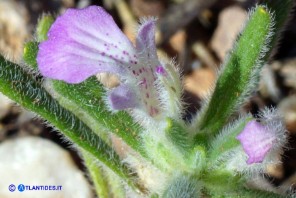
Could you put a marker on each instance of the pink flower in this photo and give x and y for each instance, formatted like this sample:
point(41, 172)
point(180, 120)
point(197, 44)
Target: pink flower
point(257, 140)
point(84, 42)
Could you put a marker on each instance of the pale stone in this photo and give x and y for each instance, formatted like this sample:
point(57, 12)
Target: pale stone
point(231, 21)
point(13, 29)
point(36, 161)
point(287, 108)
point(108, 80)
point(200, 82)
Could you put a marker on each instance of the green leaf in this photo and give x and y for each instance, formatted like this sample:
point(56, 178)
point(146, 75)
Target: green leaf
point(183, 187)
point(23, 88)
point(221, 181)
point(30, 54)
point(281, 10)
point(226, 140)
point(85, 100)
point(176, 132)
point(240, 74)
point(240, 192)
point(97, 175)
point(31, 47)
point(106, 183)
point(43, 26)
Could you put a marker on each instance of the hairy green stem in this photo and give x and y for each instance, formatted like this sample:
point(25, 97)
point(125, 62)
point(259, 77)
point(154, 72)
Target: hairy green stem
point(240, 73)
point(20, 86)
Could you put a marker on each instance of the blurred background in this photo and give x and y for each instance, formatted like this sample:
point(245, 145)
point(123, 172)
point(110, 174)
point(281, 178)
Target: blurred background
point(198, 34)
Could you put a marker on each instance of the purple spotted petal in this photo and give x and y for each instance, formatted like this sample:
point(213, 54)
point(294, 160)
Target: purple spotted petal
point(160, 70)
point(122, 97)
point(256, 141)
point(84, 42)
point(146, 38)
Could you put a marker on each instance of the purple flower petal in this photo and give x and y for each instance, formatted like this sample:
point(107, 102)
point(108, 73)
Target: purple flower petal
point(122, 97)
point(160, 70)
point(145, 72)
point(257, 141)
point(146, 38)
point(82, 43)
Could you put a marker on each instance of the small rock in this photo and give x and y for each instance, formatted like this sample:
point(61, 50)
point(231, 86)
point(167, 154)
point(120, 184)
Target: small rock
point(231, 21)
point(71, 3)
point(108, 80)
point(144, 8)
point(13, 29)
point(200, 82)
point(36, 161)
point(268, 86)
point(178, 40)
point(287, 70)
point(276, 171)
point(287, 108)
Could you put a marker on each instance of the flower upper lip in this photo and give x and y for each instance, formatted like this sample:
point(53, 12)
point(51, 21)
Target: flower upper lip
point(84, 42)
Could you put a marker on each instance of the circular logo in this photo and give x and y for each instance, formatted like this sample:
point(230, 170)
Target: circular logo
point(11, 187)
point(21, 187)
